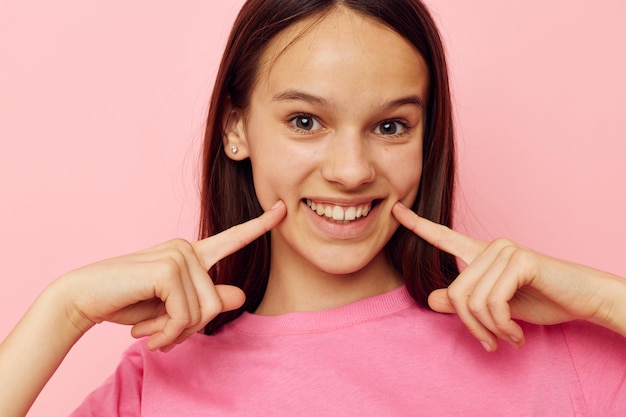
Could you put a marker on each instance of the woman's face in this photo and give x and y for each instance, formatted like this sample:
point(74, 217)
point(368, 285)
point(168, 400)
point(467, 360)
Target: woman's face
point(334, 129)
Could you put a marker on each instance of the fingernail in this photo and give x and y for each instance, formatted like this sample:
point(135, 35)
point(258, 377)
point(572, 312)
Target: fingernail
point(486, 346)
point(277, 204)
point(514, 339)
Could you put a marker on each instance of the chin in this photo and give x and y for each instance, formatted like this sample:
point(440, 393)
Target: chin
point(346, 264)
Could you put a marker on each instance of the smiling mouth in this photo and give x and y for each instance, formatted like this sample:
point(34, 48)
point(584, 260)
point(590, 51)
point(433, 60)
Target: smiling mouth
point(341, 214)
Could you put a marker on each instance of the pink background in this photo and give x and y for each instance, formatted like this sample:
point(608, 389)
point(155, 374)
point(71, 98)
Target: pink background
point(101, 114)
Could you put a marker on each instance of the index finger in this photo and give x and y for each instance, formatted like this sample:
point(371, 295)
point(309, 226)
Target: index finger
point(440, 236)
point(216, 247)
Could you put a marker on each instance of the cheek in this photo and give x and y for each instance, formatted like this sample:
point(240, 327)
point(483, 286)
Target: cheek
point(268, 184)
point(277, 174)
point(404, 172)
point(266, 160)
point(409, 186)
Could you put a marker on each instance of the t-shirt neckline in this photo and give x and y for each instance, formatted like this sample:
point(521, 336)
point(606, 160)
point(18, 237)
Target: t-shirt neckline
point(326, 320)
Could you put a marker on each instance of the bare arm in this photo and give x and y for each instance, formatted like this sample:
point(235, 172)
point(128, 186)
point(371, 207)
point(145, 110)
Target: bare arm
point(164, 292)
point(504, 281)
point(33, 351)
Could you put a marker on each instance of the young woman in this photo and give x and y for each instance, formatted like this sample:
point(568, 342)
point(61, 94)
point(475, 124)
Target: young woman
point(330, 127)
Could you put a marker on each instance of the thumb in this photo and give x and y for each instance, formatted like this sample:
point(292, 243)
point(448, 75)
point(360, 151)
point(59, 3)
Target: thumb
point(439, 301)
point(232, 297)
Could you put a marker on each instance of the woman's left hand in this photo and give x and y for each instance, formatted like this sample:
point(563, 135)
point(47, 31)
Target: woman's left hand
point(504, 281)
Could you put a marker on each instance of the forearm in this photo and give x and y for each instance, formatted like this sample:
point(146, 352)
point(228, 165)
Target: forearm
point(31, 353)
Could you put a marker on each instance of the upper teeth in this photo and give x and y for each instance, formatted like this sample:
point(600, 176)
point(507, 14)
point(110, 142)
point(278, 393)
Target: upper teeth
point(339, 213)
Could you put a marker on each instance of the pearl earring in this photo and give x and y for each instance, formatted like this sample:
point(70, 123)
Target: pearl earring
point(234, 149)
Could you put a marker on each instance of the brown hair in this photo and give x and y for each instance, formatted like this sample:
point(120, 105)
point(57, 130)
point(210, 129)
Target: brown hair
point(228, 195)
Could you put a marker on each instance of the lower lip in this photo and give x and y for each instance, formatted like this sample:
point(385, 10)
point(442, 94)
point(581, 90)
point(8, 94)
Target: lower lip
point(343, 231)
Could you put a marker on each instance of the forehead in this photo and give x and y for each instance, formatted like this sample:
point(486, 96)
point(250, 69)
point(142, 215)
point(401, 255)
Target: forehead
point(343, 49)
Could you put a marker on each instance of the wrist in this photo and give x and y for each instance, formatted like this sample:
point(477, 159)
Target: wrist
point(612, 311)
point(70, 319)
point(38, 343)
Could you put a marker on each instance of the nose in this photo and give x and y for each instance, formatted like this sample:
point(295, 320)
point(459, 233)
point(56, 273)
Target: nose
point(349, 161)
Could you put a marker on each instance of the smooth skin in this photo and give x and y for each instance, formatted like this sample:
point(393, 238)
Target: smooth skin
point(504, 281)
point(164, 292)
point(316, 132)
point(166, 295)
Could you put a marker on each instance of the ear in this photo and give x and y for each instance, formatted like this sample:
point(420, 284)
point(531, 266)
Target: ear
point(235, 140)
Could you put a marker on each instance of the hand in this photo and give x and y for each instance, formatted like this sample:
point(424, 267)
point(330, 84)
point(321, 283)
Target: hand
point(165, 292)
point(504, 281)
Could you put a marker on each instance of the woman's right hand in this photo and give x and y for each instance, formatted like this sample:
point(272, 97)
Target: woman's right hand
point(164, 292)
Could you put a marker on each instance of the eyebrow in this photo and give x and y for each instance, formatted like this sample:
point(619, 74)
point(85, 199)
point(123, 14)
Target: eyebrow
point(295, 95)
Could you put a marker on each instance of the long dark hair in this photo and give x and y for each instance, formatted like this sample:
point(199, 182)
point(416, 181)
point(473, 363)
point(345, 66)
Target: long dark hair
point(228, 195)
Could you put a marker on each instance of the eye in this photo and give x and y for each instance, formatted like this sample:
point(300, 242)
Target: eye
point(305, 123)
point(391, 128)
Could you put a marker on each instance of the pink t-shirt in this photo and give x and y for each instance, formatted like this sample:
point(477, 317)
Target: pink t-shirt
point(382, 356)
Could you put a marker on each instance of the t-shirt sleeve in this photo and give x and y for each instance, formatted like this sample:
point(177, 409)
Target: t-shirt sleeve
point(599, 357)
point(120, 394)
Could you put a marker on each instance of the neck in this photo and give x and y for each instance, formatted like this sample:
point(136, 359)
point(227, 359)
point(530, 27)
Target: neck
point(293, 287)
